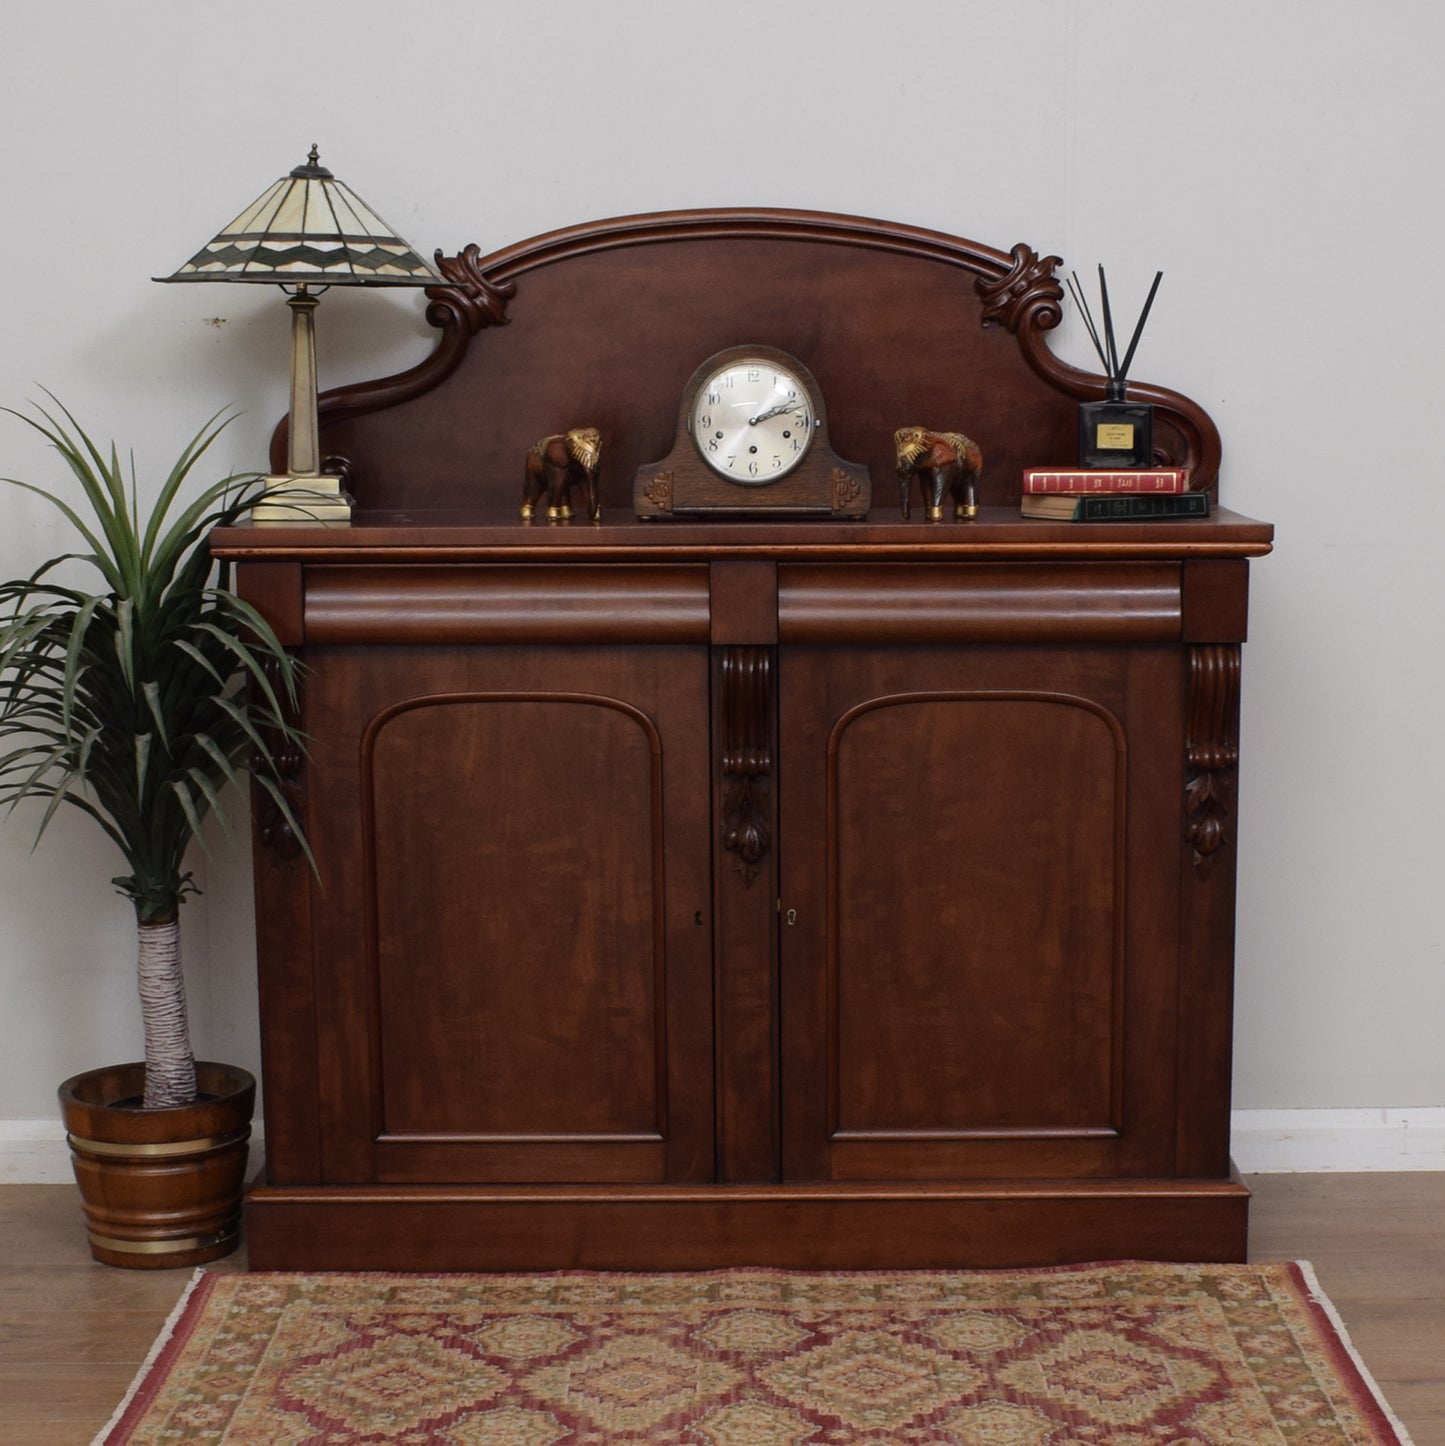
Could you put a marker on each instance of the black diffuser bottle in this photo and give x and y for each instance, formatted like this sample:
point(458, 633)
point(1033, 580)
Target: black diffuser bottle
point(1114, 433)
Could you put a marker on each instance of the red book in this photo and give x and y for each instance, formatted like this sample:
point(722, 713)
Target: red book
point(1083, 480)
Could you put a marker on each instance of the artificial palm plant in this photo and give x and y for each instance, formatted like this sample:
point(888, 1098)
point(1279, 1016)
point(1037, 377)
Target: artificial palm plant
point(140, 699)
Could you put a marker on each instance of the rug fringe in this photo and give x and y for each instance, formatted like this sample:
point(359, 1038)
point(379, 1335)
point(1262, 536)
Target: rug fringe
point(161, 1341)
point(1327, 1306)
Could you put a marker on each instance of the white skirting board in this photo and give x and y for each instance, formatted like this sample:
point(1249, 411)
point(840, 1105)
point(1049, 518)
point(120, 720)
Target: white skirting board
point(1265, 1142)
point(33, 1152)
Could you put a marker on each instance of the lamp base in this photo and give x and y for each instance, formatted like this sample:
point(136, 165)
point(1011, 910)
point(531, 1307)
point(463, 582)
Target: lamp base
point(299, 500)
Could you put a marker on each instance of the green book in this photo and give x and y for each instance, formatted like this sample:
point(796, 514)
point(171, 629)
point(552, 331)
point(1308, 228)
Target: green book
point(1135, 507)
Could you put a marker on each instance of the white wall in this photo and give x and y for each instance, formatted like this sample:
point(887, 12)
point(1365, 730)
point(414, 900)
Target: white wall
point(1279, 161)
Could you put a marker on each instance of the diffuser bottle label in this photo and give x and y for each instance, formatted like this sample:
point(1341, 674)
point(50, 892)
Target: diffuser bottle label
point(1114, 436)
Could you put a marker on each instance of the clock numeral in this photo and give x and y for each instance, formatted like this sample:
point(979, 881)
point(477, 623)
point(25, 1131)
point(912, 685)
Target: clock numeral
point(753, 468)
point(712, 444)
point(705, 422)
point(731, 459)
point(754, 374)
point(713, 398)
point(777, 460)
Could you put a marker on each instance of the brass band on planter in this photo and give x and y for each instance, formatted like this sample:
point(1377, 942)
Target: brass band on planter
point(162, 1247)
point(162, 1151)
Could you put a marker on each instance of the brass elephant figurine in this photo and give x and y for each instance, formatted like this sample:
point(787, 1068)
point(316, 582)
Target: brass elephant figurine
point(554, 465)
point(943, 462)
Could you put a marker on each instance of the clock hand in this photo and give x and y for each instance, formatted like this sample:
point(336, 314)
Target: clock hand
point(773, 412)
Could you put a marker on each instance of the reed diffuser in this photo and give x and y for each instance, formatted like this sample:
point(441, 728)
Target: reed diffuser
point(1115, 432)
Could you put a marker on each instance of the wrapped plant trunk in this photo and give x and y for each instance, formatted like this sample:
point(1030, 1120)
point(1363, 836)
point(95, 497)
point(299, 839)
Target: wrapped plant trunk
point(170, 1061)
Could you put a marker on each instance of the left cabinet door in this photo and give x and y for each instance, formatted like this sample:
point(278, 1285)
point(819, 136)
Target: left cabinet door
point(511, 926)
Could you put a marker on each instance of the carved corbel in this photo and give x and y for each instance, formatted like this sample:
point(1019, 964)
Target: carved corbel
point(747, 757)
point(1213, 749)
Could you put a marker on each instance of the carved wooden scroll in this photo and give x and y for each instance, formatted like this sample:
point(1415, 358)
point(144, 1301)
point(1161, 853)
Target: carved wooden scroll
point(472, 302)
point(1027, 297)
point(747, 762)
point(1213, 748)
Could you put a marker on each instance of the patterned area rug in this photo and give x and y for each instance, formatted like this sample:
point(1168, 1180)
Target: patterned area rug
point(1110, 1355)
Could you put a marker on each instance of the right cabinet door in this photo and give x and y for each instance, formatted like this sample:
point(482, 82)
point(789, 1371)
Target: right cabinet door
point(980, 909)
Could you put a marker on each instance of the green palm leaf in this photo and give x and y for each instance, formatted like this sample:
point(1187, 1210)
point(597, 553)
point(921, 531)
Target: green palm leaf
point(139, 700)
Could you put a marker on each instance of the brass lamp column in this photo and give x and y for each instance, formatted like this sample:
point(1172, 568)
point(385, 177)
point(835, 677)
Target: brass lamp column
point(306, 233)
point(303, 445)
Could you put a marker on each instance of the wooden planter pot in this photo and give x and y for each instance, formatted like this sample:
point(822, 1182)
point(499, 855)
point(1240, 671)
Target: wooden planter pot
point(161, 1188)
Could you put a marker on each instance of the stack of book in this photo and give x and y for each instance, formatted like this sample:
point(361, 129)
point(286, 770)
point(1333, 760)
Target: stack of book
point(1085, 494)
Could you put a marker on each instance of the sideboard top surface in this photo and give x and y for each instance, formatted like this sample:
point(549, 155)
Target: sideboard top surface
point(999, 533)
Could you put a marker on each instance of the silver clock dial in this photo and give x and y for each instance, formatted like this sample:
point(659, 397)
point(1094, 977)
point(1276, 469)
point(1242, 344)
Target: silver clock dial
point(752, 421)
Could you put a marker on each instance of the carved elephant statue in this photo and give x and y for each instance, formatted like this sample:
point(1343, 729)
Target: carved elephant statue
point(943, 462)
point(555, 465)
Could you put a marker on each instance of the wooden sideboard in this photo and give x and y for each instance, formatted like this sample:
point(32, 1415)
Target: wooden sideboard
point(779, 892)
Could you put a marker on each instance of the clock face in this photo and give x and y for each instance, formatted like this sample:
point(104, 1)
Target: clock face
point(752, 421)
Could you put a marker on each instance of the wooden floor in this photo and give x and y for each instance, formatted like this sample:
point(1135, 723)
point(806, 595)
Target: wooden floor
point(73, 1333)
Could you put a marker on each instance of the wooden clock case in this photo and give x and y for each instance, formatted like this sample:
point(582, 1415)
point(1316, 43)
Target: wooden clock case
point(792, 892)
point(682, 484)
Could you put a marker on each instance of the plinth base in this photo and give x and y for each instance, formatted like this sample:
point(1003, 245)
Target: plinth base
point(827, 1227)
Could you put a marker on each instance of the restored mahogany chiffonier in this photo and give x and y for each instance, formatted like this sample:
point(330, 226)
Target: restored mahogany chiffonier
point(774, 889)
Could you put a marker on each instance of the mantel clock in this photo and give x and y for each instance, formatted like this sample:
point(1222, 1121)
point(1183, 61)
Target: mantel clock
point(752, 439)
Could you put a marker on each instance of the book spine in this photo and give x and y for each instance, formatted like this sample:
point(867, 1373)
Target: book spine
point(1037, 507)
point(1082, 481)
point(1124, 509)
